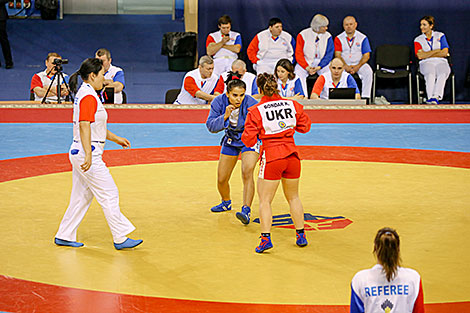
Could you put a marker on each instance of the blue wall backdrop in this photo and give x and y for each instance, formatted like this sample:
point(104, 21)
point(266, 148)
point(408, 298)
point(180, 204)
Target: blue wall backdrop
point(385, 22)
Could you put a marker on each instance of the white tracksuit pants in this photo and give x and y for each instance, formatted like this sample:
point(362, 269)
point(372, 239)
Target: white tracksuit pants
point(435, 72)
point(96, 182)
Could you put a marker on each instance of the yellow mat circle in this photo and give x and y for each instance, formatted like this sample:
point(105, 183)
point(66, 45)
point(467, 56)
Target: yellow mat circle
point(191, 253)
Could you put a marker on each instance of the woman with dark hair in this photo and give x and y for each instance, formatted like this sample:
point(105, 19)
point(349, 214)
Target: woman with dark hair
point(274, 120)
point(228, 113)
point(289, 85)
point(90, 176)
point(431, 48)
point(387, 287)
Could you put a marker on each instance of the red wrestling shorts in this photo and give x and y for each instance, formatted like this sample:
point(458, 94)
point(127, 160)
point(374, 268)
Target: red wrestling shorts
point(288, 167)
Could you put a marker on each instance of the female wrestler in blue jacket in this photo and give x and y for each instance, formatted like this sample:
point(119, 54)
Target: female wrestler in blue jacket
point(228, 112)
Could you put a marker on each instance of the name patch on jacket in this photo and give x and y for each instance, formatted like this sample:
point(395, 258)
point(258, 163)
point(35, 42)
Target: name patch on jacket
point(277, 116)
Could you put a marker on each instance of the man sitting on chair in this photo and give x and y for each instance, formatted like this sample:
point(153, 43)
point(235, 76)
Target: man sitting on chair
point(335, 78)
point(199, 84)
point(42, 80)
point(113, 76)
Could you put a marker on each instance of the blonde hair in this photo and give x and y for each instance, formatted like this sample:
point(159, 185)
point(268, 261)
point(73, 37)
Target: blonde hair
point(318, 21)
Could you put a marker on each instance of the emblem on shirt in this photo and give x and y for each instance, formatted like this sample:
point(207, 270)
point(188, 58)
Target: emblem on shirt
point(312, 222)
point(387, 306)
point(282, 124)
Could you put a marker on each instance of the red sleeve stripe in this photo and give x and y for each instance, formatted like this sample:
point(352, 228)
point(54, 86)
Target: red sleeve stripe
point(191, 86)
point(209, 40)
point(338, 45)
point(35, 82)
point(417, 47)
point(299, 51)
point(88, 107)
point(319, 84)
point(252, 50)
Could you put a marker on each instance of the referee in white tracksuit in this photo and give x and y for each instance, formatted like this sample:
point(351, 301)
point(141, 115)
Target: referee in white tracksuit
point(91, 177)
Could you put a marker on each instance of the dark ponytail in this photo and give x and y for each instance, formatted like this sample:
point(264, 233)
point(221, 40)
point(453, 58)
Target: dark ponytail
point(88, 66)
point(267, 83)
point(387, 250)
point(234, 80)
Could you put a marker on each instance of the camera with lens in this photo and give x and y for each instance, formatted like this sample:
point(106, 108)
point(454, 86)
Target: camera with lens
point(60, 61)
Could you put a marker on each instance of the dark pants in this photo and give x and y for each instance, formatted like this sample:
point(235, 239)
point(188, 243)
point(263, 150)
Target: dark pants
point(5, 43)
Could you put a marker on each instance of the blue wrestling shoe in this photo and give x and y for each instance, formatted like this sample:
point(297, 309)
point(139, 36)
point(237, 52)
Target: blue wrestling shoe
point(129, 243)
point(223, 206)
point(244, 215)
point(265, 244)
point(61, 242)
point(432, 101)
point(301, 240)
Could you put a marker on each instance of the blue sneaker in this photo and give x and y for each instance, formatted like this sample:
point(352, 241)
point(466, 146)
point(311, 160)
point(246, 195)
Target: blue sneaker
point(129, 243)
point(244, 215)
point(301, 240)
point(61, 242)
point(265, 244)
point(223, 206)
point(432, 101)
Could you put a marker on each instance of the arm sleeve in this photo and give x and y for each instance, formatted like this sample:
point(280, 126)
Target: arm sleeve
point(209, 40)
point(293, 45)
point(36, 82)
point(303, 120)
point(254, 88)
point(444, 43)
point(352, 83)
point(417, 47)
point(338, 45)
point(252, 50)
point(299, 51)
point(356, 305)
point(319, 84)
point(330, 52)
point(250, 134)
point(298, 87)
point(88, 106)
point(419, 302)
point(365, 48)
point(238, 41)
point(119, 77)
point(215, 121)
point(190, 86)
point(220, 85)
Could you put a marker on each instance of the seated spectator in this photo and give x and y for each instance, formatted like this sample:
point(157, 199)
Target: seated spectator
point(113, 76)
point(224, 45)
point(387, 287)
point(353, 48)
point(41, 81)
point(269, 46)
point(314, 50)
point(199, 84)
point(335, 78)
point(289, 86)
point(239, 69)
point(431, 48)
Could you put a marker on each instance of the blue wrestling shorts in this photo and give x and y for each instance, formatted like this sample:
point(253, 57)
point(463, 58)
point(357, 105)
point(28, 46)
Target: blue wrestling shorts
point(228, 149)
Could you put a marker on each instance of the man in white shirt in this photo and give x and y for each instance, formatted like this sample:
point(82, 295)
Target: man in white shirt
point(199, 84)
point(224, 45)
point(353, 48)
point(269, 46)
point(113, 76)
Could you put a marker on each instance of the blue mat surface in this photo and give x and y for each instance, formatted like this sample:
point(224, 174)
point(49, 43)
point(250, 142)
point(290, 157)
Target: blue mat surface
point(26, 140)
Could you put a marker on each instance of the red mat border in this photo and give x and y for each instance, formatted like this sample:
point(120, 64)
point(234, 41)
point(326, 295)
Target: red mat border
point(56, 163)
point(64, 115)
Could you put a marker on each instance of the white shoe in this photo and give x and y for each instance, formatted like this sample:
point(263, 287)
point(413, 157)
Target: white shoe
point(384, 100)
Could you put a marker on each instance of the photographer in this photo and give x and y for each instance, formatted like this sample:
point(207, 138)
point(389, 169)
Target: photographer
point(41, 81)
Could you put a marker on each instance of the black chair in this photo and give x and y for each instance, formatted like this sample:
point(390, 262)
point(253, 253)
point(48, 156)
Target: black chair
point(31, 95)
point(420, 78)
point(393, 62)
point(171, 95)
point(124, 97)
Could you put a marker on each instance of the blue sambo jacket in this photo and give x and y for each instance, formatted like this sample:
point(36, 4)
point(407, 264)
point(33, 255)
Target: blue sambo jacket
point(215, 121)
